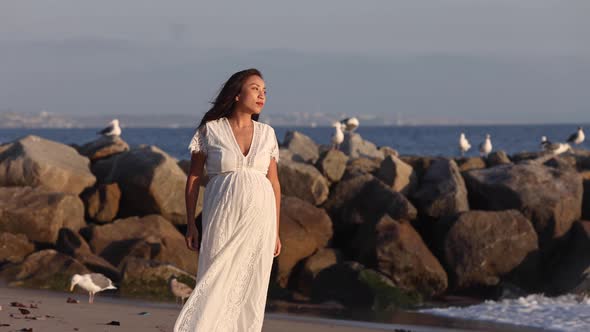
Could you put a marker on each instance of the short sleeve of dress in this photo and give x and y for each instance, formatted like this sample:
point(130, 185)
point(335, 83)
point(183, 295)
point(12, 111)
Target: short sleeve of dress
point(199, 141)
point(274, 152)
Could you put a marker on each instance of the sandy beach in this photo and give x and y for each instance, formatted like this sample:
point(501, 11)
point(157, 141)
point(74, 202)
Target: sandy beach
point(50, 311)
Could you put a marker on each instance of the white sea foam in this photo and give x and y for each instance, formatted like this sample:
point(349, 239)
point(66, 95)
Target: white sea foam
point(563, 313)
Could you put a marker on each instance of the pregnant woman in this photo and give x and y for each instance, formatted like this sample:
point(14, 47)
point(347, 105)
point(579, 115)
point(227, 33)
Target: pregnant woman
point(240, 210)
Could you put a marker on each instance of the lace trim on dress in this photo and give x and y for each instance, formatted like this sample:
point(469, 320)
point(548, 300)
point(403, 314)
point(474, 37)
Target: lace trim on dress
point(199, 141)
point(274, 153)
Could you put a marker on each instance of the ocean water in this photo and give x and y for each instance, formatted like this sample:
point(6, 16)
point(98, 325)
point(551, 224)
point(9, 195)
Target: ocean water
point(563, 313)
point(415, 140)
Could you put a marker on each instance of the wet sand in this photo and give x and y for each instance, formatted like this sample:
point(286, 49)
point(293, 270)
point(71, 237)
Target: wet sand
point(54, 314)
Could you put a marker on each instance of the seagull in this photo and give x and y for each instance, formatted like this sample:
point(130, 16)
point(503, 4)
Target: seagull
point(464, 145)
point(91, 282)
point(112, 129)
point(350, 123)
point(486, 146)
point(554, 148)
point(338, 135)
point(578, 137)
point(179, 289)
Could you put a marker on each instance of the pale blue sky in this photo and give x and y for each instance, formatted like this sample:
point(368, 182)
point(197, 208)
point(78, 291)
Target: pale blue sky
point(466, 59)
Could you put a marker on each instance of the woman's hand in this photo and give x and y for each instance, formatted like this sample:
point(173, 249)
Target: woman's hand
point(192, 238)
point(277, 246)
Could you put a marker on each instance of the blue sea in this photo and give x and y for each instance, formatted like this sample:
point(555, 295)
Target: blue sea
point(414, 140)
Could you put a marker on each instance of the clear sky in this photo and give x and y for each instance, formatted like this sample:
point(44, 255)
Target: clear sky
point(470, 60)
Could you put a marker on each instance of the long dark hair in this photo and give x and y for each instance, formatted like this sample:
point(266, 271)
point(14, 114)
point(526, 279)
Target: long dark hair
point(224, 104)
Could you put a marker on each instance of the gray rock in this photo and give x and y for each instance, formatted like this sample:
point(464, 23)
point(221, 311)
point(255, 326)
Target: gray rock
point(303, 148)
point(355, 286)
point(497, 158)
point(551, 198)
point(442, 191)
point(14, 247)
point(303, 181)
point(313, 265)
point(481, 247)
point(361, 166)
point(303, 230)
point(39, 214)
point(355, 146)
point(398, 175)
point(397, 250)
point(470, 163)
point(115, 240)
point(571, 272)
point(102, 202)
point(103, 147)
point(332, 164)
point(150, 181)
point(47, 269)
point(37, 162)
point(387, 151)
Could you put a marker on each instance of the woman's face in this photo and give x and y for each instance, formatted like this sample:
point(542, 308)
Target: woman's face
point(253, 95)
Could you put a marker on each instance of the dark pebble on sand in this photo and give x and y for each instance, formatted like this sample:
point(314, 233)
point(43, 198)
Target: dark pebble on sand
point(114, 322)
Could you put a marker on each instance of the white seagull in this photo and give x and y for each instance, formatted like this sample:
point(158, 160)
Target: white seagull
point(112, 129)
point(338, 135)
point(464, 145)
point(578, 137)
point(179, 289)
point(350, 123)
point(554, 148)
point(91, 282)
point(486, 146)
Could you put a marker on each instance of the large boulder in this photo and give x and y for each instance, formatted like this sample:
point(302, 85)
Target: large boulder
point(355, 146)
point(313, 265)
point(303, 181)
point(419, 163)
point(363, 199)
point(43, 269)
point(355, 286)
point(114, 241)
point(397, 250)
point(102, 202)
point(481, 247)
point(397, 174)
point(442, 191)
point(151, 182)
point(361, 166)
point(571, 272)
point(332, 164)
point(549, 197)
point(586, 196)
point(37, 162)
point(73, 244)
point(497, 158)
point(302, 148)
point(103, 147)
point(470, 163)
point(14, 247)
point(39, 214)
point(304, 229)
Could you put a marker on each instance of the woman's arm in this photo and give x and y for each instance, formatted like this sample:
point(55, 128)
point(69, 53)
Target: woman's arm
point(273, 176)
point(191, 194)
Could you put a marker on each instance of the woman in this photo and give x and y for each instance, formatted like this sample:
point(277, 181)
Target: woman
point(240, 210)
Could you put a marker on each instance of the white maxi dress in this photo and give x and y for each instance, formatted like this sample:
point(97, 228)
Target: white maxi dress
point(239, 232)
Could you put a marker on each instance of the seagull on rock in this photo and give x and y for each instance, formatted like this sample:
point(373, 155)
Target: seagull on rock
point(486, 146)
point(350, 124)
point(112, 129)
point(554, 148)
point(91, 282)
point(578, 137)
point(179, 289)
point(338, 135)
point(464, 145)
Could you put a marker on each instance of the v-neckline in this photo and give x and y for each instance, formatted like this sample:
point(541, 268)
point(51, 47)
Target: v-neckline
point(236, 141)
